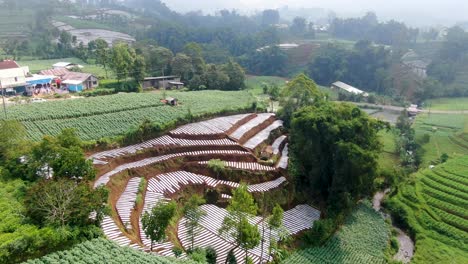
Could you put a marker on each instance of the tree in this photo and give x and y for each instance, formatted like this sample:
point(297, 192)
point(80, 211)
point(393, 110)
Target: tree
point(61, 202)
point(299, 26)
point(275, 222)
point(299, 92)
point(236, 76)
point(270, 17)
point(340, 163)
point(249, 236)
point(236, 225)
point(102, 54)
point(194, 51)
point(122, 60)
point(138, 69)
point(12, 139)
point(182, 66)
point(193, 214)
point(215, 79)
point(156, 222)
point(158, 60)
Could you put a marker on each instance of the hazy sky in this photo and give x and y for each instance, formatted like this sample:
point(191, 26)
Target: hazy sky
point(429, 11)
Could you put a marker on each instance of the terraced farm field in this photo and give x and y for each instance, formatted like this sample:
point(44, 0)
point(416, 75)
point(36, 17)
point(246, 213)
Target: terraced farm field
point(436, 208)
point(179, 161)
point(103, 251)
point(448, 134)
point(362, 239)
point(110, 116)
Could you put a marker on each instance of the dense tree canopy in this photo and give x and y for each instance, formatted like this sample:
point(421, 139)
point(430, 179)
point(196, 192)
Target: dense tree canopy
point(334, 150)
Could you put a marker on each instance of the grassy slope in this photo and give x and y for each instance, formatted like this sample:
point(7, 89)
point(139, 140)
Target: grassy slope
point(362, 239)
point(103, 251)
point(446, 135)
point(14, 23)
point(37, 65)
point(447, 104)
point(436, 214)
point(388, 158)
point(95, 118)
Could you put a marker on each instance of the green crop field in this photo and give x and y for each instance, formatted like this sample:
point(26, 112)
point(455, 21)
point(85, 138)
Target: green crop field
point(362, 239)
point(37, 65)
point(15, 23)
point(447, 135)
point(435, 206)
point(110, 116)
point(103, 251)
point(254, 83)
point(447, 104)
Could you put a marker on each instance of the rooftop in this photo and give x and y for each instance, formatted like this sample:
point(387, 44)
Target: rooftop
point(8, 64)
point(349, 88)
point(160, 78)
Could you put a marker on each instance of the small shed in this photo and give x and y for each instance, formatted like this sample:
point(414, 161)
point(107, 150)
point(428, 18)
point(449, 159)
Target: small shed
point(74, 85)
point(161, 82)
point(348, 88)
point(171, 101)
point(175, 85)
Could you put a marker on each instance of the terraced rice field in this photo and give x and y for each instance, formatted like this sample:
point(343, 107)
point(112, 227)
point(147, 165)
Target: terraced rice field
point(437, 210)
point(114, 115)
point(161, 187)
point(362, 239)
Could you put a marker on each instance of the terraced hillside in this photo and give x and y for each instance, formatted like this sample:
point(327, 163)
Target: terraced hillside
point(110, 116)
point(448, 134)
point(435, 208)
point(179, 161)
point(362, 239)
point(103, 251)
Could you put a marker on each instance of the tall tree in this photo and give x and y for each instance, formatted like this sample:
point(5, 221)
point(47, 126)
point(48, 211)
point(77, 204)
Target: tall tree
point(182, 66)
point(340, 163)
point(102, 54)
point(122, 60)
point(299, 92)
point(156, 222)
point(139, 69)
point(236, 75)
point(299, 26)
point(270, 17)
point(193, 214)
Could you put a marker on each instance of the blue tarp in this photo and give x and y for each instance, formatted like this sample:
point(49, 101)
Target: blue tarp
point(75, 87)
point(43, 81)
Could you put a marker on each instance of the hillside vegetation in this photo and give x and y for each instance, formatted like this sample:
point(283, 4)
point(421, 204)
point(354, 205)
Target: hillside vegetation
point(434, 207)
point(103, 251)
point(362, 239)
point(110, 116)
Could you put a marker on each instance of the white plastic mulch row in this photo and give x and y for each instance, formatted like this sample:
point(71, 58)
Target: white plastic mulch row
point(164, 141)
point(263, 135)
point(112, 232)
point(252, 166)
point(242, 130)
point(210, 127)
point(104, 179)
point(277, 144)
point(283, 162)
point(295, 220)
point(266, 186)
point(126, 201)
point(300, 218)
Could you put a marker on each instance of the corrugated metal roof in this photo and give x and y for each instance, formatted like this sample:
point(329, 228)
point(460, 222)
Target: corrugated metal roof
point(55, 72)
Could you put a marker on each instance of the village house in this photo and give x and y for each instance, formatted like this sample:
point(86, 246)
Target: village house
point(66, 65)
point(12, 77)
point(348, 88)
point(163, 82)
point(73, 81)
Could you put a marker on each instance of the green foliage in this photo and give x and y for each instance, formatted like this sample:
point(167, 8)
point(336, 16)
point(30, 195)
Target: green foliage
point(111, 116)
point(103, 251)
point(433, 208)
point(340, 163)
point(298, 93)
point(156, 222)
point(121, 60)
point(231, 258)
point(198, 255)
point(362, 239)
point(269, 61)
point(193, 214)
point(217, 166)
point(211, 255)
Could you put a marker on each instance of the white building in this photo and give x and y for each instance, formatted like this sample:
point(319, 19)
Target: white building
point(12, 75)
point(348, 88)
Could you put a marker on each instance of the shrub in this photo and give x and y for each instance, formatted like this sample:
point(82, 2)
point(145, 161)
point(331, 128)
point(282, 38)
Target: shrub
point(198, 255)
point(211, 255)
point(177, 251)
point(321, 231)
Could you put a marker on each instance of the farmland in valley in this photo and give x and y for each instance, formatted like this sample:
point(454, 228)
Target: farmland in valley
point(362, 239)
point(111, 116)
point(435, 208)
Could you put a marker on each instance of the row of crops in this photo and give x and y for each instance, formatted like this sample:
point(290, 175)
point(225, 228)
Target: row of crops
point(436, 209)
point(109, 116)
point(102, 251)
point(362, 239)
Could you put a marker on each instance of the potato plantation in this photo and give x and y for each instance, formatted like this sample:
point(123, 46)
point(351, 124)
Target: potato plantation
point(362, 239)
point(110, 116)
point(103, 251)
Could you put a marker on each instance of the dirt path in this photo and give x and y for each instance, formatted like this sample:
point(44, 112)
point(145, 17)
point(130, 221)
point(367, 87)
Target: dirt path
point(399, 109)
point(406, 249)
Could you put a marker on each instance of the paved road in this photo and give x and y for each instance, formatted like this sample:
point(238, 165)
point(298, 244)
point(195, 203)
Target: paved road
point(399, 109)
